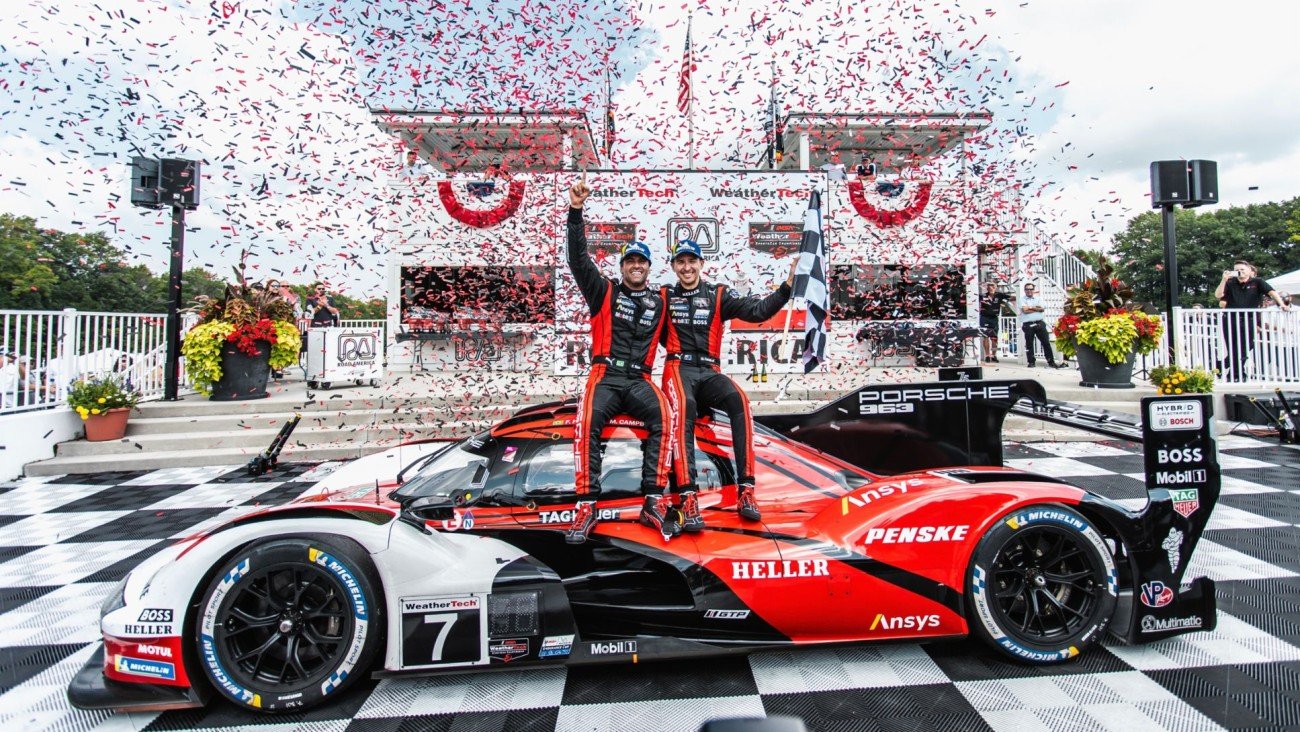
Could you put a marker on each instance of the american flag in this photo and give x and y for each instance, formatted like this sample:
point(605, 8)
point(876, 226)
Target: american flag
point(688, 65)
point(810, 284)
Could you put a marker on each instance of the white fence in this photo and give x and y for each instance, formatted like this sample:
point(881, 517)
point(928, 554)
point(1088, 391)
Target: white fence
point(52, 349)
point(46, 351)
point(1246, 347)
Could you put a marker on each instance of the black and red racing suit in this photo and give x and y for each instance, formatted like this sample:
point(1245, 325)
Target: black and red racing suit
point(693, 379)
point(625, 331)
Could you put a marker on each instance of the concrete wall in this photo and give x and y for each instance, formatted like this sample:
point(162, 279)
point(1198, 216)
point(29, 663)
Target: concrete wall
point(30, 436)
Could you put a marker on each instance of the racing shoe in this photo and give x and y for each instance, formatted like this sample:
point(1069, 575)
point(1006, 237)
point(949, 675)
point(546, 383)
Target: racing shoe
point(658, 514)
point(692, 521)
point(746, 504)
point(584, 520)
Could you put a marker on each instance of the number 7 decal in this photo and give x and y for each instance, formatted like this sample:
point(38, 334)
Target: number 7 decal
point(447, 620)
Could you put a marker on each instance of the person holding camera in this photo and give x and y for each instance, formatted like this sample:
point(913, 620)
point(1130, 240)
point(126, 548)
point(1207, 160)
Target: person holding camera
point(1242, 290)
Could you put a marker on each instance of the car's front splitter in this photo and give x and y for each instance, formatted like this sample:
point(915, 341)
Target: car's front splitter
point(90, 689)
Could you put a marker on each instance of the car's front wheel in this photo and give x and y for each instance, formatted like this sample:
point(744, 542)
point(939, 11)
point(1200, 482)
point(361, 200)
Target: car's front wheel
point(285, 624)
point(1042, 584)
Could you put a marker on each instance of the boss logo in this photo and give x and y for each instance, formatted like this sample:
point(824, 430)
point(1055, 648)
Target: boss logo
point(155, 615)
point(1179, 455)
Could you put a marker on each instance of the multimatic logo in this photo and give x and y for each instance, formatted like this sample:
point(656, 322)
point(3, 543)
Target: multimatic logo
point(1152, 624)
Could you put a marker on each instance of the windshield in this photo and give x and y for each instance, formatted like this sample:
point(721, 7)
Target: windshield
point(460, 466)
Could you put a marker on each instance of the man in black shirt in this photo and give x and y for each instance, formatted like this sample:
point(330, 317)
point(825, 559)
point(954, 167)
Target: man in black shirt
point(324, 313)
point(1242, 291)
point(991, 301)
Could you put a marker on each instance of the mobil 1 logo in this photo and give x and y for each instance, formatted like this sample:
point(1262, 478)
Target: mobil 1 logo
point(1179, 453)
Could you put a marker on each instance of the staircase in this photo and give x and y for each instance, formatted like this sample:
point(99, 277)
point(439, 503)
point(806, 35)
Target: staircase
point(350, 422)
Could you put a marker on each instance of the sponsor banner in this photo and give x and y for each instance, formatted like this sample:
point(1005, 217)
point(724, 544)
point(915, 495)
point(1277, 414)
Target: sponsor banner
point(1176, 415)
point(507, 649)
point(1186, 500)
point(612, 648)
point(440, 604)
point(774, 237)
point(779, 569)
point(1152, 624)
point(916, 534)
point(556, 645)
point(607, 239)
point(148, 668)
point(904, 622)
point(1156, 594)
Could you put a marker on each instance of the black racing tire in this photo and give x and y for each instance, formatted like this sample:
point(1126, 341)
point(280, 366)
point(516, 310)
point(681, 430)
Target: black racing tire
point(286, 624)
point(1042, 585)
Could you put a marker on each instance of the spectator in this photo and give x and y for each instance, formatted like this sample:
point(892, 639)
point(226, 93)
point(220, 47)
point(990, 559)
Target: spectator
point(1033, 323)
point(991, 302)
point(123, 369)
point(1241, 291)
point(11, 376)
point(414, 167)
point(324, 312)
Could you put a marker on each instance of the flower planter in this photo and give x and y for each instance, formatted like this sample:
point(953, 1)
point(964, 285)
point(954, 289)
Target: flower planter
point(110, 425)
point(243, 376)
point(1097, 372)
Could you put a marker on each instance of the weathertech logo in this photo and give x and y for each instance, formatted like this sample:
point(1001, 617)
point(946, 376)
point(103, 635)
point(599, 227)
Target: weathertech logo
point(916, 534)
point(780, 569)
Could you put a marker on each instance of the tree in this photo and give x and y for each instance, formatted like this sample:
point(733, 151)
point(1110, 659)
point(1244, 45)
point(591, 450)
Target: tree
point(1207, 241)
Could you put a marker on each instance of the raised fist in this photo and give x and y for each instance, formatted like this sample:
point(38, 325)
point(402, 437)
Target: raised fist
point(578, 193)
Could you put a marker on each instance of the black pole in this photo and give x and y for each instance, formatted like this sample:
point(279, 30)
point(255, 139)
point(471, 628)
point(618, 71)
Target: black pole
point(1171, 277)
point(171, 385)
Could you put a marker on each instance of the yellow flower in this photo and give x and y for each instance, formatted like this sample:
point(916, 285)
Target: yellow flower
point(102, 400)
point(1178, 391)
point(95, 410)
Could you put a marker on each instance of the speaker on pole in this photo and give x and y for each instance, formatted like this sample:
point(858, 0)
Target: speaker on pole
point(1203, 183)
point(146, 182)
point(180, 183)
point(1169, 183)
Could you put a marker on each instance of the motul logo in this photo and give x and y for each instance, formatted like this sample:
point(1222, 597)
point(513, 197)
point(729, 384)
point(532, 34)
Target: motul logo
point(905, 622)
point(917, 534)
point(780, 569)
point(161, 651)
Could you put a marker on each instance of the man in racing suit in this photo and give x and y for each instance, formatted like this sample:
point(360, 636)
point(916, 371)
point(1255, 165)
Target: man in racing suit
point(693, 381)
point(627, 318)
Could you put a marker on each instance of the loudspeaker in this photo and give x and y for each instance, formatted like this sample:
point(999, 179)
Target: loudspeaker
point(1203, 183)
point(180, 183)
point(1169, 182)
point(145, 182)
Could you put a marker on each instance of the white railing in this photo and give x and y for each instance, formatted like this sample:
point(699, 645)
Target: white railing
point(1247, 346)
point(51, 349)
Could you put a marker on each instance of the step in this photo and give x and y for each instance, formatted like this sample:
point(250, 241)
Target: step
point(233, 457)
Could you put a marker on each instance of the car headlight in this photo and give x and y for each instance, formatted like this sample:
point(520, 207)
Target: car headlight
point(116, 598)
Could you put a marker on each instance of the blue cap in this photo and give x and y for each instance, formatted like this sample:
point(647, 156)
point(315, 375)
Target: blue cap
point(686, 246)
point(639, 248)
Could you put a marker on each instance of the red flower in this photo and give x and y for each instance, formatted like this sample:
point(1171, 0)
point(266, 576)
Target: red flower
point(245, 337)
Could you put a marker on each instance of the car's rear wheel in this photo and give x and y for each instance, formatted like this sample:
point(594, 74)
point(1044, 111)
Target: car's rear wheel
point(285, 624)
point(1042, 584)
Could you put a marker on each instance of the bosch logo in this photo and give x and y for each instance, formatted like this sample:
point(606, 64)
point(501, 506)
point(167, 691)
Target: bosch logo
point(1179, 455)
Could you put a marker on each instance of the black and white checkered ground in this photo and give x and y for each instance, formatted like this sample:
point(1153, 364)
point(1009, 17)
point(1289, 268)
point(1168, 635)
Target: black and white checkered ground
point(64, 542)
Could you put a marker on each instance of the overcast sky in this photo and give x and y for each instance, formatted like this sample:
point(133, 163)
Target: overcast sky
point(273, 95)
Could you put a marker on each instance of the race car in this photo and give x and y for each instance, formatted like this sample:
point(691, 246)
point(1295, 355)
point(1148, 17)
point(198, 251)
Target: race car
point(449, 556)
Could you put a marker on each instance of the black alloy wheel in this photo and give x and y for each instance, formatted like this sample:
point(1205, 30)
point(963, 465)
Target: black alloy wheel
point(1042, 584)
point(287, 623)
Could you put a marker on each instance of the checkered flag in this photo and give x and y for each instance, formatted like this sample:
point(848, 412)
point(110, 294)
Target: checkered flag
point(810, 284)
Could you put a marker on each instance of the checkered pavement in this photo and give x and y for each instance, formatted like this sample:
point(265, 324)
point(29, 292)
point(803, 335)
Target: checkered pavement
point(65, 541)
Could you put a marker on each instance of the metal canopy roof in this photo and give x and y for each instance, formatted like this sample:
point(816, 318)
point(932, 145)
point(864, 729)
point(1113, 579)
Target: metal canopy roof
point(892, 141)
point(468, 142)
